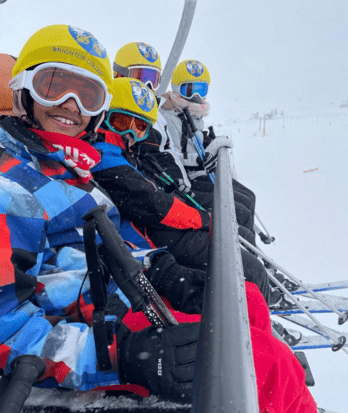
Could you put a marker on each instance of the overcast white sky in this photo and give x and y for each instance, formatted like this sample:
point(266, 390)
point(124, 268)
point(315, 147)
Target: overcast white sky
point(255, 49)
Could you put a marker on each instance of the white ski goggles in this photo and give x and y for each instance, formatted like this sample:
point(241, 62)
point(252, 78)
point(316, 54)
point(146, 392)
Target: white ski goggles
point(51, 84)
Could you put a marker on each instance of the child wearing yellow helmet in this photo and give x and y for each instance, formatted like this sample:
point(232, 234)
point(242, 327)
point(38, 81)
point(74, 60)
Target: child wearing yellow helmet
point(56, 63)
point(191, 80)
point(140, 61)
point(60, 88)
point(133, 109)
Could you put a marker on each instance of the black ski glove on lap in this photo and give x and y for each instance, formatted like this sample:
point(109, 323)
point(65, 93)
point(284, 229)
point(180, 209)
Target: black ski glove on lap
point(161, 359)
point(182, 286)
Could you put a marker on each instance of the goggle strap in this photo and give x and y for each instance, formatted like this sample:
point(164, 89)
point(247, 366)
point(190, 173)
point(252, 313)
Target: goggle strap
point(123, 71)
point(18, 81)
point(132, 115)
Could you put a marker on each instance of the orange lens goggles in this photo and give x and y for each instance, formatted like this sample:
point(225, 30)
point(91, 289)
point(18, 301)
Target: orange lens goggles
point(123, 122)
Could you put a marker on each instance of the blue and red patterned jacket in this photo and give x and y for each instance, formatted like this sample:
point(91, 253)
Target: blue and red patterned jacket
point(43, 263)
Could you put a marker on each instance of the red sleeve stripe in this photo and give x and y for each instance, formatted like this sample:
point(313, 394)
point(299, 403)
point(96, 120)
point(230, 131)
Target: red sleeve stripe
point(7, 274)
point(57, 370)
point(4, 353)
point(50, 168)
point(114, 138)
point(181, 216)
point(7, 162)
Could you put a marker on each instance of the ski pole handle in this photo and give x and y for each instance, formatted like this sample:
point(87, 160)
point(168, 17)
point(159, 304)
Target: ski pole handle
point(127, 271)
point(189, 119)
point(211, 133)
point(113, 241)
point(25, 371)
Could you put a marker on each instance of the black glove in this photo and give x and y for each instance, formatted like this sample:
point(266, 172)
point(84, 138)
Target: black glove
point(182, 286)
point(210, 160)
point(161, 359)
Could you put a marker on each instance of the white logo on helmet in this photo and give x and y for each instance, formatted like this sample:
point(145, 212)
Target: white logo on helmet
point(88, 42)
point(148, 52)
point(143, 96)
point(194, 67)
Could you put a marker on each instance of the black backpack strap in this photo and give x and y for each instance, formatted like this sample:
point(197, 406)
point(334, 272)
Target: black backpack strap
point(101, 328)
point(184, 134)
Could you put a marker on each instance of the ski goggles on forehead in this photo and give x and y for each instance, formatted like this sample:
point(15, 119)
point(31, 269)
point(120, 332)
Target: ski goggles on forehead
point(147, 75)
point(51, 84)
point(188, 90)
point(123, 122)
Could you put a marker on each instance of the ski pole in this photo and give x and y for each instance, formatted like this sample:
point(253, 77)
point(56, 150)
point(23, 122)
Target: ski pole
point(266, 238)
point(25, 371)
point(265, 229)
point(337, 343)
point(127, 271)
point(343, 316)
point(197, 141)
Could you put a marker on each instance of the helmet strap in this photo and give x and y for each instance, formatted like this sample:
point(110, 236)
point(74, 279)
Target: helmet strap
point(23, 108)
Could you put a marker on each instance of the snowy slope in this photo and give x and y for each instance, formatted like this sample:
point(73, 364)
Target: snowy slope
point(305, 211)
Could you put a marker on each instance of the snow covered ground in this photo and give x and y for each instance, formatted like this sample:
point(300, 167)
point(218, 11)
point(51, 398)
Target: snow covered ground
point(305, 211)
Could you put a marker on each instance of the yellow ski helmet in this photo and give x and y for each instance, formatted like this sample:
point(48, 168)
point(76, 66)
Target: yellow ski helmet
point(64, 44)
point(133, 96)
point(190, 71)
point(135, 54)
point(6, 100)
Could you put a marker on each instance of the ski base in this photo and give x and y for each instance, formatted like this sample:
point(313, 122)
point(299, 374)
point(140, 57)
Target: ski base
point(313, 306)
point(69, 401)
point(50, 409)
point(319, 340)
point(331, 286)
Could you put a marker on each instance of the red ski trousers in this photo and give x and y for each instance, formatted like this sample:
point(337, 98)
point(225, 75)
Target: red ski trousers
point(280, 377)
